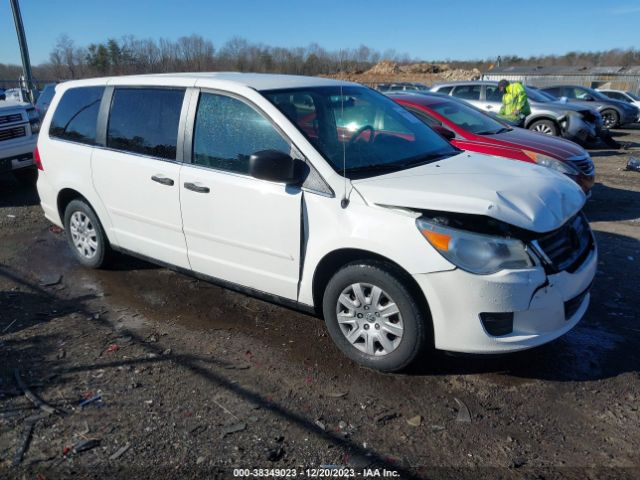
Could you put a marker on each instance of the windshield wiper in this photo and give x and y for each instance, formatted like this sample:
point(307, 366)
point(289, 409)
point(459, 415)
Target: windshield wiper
point(493, 132)
point(415, 162)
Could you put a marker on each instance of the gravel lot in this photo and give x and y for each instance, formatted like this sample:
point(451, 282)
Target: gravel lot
point(193, 380)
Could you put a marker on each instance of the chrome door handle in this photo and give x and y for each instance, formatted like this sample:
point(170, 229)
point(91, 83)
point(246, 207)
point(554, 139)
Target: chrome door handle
point(162, 180)
point(194, 187)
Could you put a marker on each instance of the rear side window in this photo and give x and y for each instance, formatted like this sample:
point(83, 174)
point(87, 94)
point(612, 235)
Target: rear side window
point(467, 92)
point(445, 90)
point(76, 115)
point(145, 121)
point(228, 131)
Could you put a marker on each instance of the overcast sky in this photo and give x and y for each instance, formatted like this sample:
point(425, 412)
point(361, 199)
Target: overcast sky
point(454, 29)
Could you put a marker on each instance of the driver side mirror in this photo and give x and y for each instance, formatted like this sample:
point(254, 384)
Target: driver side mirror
point(444, 132)
point(588, 98)
point(276, 166)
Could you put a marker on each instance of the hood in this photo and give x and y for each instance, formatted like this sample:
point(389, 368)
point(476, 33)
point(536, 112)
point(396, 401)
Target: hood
point(545, 144)
point(561, 107)
point(518, 193)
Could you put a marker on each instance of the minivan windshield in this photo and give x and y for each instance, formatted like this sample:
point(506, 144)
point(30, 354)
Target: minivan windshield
point(360, 130)
point(538, 96)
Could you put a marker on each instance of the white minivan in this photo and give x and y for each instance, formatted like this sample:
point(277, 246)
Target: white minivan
point(325, 196)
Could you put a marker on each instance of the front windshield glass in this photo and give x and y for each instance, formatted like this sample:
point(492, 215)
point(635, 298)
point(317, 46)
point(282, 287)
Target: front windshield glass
point(360, 128)
point(537, 95)
point(634, 96)
point(468, 118)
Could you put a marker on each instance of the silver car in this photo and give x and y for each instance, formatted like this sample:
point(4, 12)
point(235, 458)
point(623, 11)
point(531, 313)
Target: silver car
point(578, 123)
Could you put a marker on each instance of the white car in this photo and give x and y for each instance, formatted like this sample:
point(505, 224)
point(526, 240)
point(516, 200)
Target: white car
point(322, 195)
point(19, 127)
point(621, 95)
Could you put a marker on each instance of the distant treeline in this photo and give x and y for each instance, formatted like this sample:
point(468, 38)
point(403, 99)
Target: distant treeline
point(130, 55)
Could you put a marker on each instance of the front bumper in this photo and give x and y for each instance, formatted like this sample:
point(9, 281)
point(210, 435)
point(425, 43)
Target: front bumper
point(456, 299)
point(17, 154)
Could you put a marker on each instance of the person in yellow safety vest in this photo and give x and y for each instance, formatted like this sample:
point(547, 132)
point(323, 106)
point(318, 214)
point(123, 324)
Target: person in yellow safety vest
point(515, 102)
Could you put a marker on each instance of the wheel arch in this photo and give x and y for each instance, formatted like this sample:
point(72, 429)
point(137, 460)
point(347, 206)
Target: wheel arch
point(333, 261)
point(65, 197)
point(532, 119)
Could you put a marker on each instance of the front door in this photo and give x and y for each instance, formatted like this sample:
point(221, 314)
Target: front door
point(239, 229)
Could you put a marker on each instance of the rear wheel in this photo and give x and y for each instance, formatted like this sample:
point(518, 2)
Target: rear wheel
point(610, 118)
point(85, 235)
point(373, 317)
point(544, 126)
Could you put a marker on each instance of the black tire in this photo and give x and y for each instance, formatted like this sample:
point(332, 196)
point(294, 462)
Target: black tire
point(547, 127)
point(26, 176)
point(102, 252)
point(415, 321)
point(610, 118)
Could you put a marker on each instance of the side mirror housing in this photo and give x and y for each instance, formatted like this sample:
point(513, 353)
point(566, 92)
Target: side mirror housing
point(445, 132)
point(588, 98)
point(274, 166)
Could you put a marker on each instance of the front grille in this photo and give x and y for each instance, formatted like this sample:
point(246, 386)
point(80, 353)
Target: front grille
point(584, 164)
point(573, 305)
point(567, 247)
point(14, 117)
point(11, 133)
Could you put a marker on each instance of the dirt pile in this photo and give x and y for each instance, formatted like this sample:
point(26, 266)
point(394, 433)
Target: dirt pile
point(387, 71)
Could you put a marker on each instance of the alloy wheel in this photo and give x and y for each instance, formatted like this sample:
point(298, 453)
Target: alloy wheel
point(83, 235)
point(609, 120)
point(543, 128)
point(369, 319)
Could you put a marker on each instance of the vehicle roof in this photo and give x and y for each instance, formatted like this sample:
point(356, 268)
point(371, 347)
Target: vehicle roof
point(257, 81)
point(466, 82)
point(423, 98)
point(12, 103)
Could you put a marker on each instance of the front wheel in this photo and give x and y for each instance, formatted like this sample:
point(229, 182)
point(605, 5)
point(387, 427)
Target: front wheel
point(373, 316)
point(85, 235)
point(610, 118)
point(544, 126)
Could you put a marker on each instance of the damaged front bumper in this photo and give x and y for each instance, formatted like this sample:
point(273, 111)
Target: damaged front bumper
point(542, 306)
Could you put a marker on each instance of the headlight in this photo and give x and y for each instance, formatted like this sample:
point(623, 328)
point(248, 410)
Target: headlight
point(474, 252)
point(552, 163)
point(34, 120)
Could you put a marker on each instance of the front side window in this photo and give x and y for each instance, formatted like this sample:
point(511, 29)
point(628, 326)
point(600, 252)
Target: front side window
point(228, 131)
point(467, 92)
point(76, 115)
point(360, 130)
point(493, 94)
point(145, 121)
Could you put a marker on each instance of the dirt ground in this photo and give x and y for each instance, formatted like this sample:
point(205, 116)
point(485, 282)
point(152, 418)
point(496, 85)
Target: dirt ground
point(187, 380)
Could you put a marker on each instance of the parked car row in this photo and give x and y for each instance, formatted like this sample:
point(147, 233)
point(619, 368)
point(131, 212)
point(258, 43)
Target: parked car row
point(332, 198)
point(548, 115)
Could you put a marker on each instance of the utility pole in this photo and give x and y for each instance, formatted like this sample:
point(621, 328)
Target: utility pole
point(24, 52)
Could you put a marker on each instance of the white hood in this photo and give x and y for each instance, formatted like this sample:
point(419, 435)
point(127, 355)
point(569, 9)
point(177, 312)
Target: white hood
point(518, 193)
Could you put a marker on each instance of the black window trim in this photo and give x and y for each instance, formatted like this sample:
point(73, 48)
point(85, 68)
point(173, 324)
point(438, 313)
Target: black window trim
point(74, 142)
point(190, 126)
point(105, 111)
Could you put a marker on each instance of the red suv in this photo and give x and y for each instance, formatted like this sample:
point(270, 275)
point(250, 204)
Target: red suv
point(470, 129)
